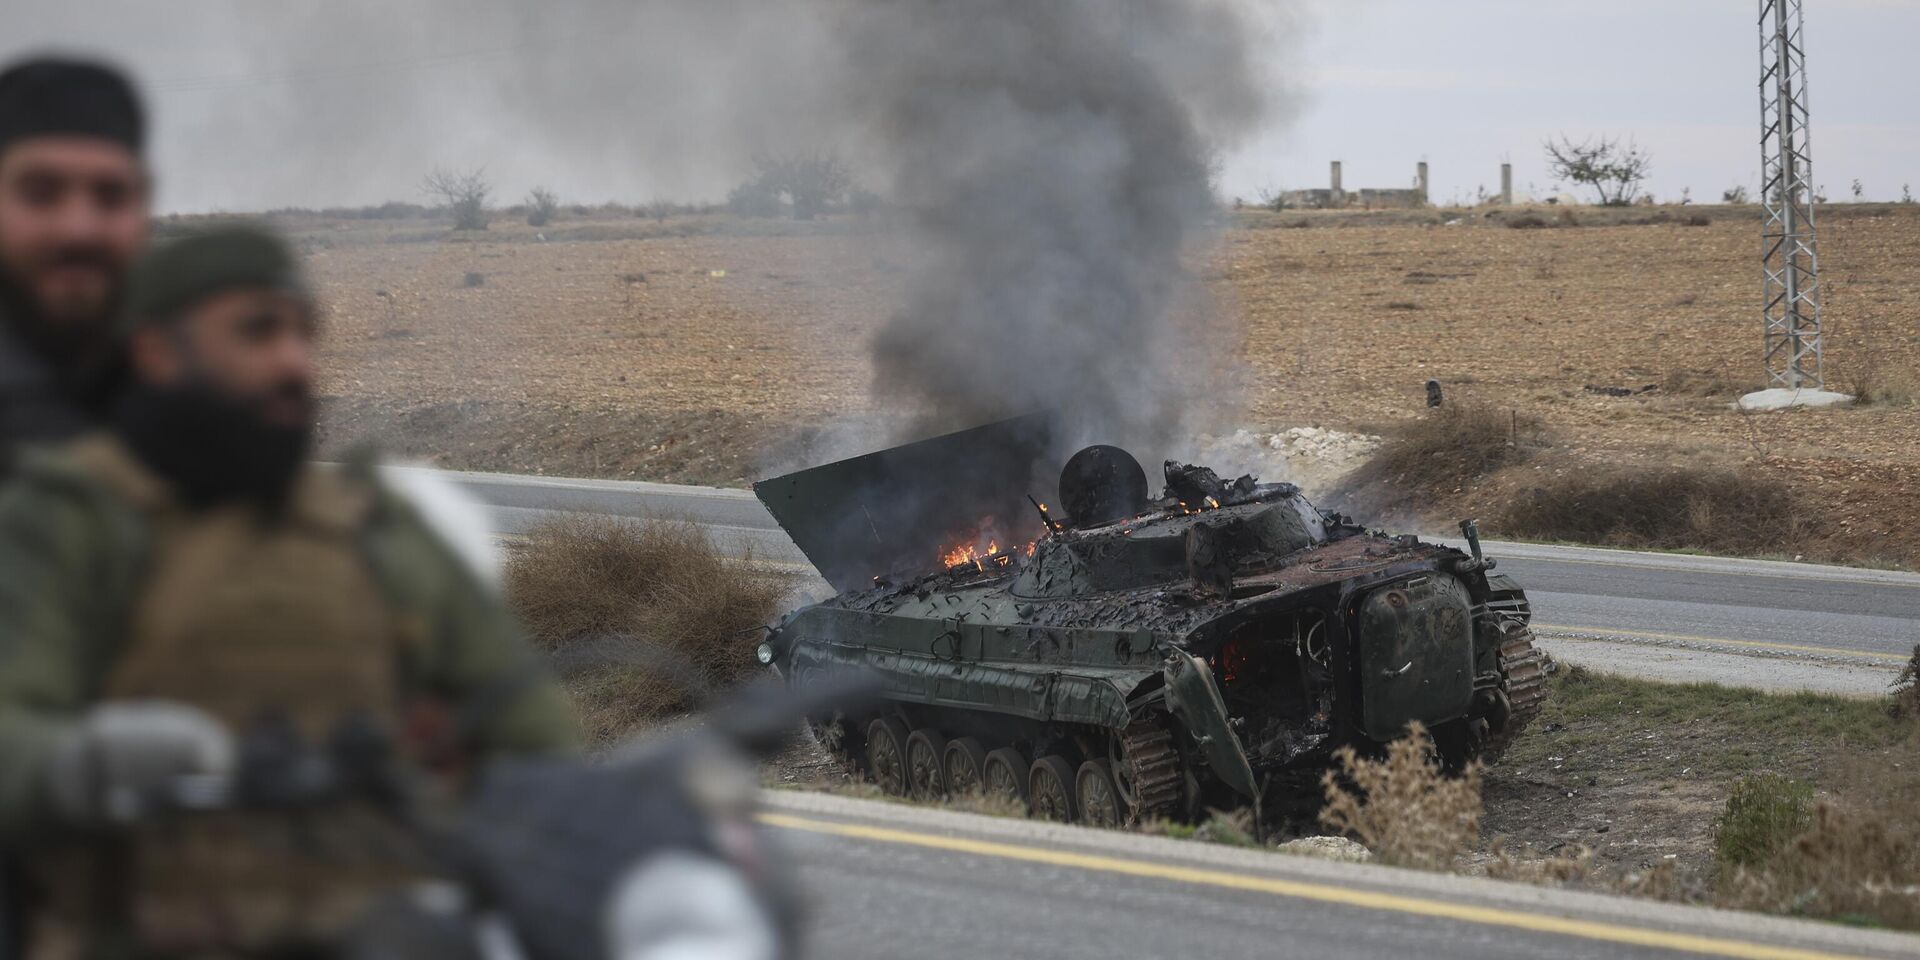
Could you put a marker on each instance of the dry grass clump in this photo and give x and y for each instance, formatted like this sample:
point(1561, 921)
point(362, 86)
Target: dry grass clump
point(1720, 510)
point(1533, 221)
point(1763, 814)
point(1905, 693)
point(641, 617)
point(1857, 858)
point(1434, 456)
point(1569, 864)
point(1661, 881)
point(1234, 828)
point(1404, 807)
point(1869, 374)
point(987, 804)
point(1875, 384)
point(1704, 383)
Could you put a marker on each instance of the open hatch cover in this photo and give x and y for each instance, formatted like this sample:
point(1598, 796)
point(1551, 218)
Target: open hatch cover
point(891, 512)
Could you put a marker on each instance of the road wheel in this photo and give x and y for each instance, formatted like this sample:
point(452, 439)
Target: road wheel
point(887, 755)
point(1004, 774)
point(926, 777)
point(964, 764)
point(1100, 803)
point(1050, 788)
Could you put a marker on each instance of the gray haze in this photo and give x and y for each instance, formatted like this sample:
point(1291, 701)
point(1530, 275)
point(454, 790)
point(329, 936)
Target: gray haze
point(350, 102)
point(1050, 161)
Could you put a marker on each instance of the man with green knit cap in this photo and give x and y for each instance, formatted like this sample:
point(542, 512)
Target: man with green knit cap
point(184, 576)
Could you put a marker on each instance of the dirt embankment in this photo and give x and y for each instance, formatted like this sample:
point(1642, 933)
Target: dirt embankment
point(686, 350)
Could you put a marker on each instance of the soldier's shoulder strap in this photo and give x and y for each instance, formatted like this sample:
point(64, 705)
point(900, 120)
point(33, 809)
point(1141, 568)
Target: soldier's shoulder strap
point(103, 465)
point(416, 570)
point(454, 609)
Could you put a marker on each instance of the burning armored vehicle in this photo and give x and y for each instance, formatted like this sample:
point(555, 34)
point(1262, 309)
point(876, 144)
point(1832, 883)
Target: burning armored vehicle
point(1141, 656)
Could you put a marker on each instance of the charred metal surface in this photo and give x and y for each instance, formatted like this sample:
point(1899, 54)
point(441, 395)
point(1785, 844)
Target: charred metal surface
point(1256, 632)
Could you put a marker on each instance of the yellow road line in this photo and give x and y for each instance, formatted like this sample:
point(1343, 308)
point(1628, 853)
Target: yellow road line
point(1302, 890)
point(1688, 638)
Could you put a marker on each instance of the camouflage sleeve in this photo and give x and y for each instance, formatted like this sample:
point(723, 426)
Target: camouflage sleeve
point(475, 652)
point(49, 595)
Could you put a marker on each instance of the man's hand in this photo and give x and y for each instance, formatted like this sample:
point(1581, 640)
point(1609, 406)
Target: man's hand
point(122, 757)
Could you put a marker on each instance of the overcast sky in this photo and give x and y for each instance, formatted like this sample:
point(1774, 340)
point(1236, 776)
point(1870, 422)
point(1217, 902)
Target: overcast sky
point(1467, 84)
point(1463, 85)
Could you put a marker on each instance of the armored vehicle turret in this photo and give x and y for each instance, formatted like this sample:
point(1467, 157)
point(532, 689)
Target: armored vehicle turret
point(1140, 656)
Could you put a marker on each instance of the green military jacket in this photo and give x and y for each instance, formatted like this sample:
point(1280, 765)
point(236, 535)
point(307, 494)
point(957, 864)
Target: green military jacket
point(73, 564)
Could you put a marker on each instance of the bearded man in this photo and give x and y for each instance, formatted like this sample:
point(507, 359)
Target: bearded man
point(74, 197)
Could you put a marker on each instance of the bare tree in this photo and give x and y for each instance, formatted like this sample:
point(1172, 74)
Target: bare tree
point(1276, 198)
point(754, 198)
point(463, 194)
point(1615, 171)
point(542, 204)
point(810, 181)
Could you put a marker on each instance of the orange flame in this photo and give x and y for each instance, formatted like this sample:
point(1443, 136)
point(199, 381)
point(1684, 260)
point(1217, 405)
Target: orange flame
point(971, 554)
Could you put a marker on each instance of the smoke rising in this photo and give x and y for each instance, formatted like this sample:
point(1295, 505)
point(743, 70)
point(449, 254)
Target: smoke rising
point(1053, 160)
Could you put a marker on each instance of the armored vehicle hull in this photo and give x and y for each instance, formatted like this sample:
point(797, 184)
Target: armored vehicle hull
point(1208, 649)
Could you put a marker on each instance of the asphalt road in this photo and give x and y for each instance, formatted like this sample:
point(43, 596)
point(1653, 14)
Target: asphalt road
point(890, 880)
point(1760, 623)
point(886, 880)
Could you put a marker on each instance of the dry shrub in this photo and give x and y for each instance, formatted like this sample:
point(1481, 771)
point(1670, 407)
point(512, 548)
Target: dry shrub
point(1436, 455)
point(1857, 860)
point(1716, 509)
point(641, 617)
point(1404, 807)
point(1570, 863)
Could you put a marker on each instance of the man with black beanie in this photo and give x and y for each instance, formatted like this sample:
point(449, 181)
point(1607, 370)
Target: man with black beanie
point(74, 196)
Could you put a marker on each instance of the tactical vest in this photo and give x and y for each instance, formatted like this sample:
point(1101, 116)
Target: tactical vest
point(246, 618)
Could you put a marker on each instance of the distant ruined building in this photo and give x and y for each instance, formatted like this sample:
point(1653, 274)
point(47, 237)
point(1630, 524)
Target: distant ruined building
point(1336, 197)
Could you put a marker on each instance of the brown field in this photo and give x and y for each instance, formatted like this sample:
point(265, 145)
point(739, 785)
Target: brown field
point(612, 346)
